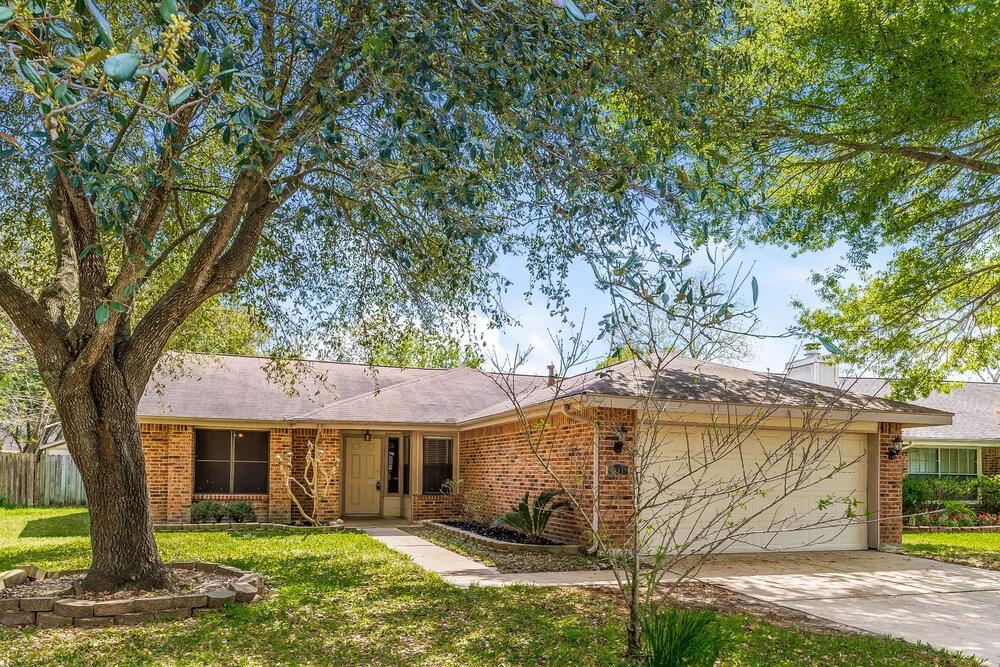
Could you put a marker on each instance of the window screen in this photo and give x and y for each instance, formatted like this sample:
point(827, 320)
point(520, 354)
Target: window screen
point(923, 461)
point(957, 461)
point(231, 461)
point(437, 463)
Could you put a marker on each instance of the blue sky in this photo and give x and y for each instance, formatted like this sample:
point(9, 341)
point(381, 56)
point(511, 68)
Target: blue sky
point(781, 277)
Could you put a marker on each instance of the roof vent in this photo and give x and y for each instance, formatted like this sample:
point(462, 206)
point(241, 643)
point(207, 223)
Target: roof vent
point(552, 374)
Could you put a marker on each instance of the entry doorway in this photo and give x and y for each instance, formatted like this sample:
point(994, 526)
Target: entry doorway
point(363, 475)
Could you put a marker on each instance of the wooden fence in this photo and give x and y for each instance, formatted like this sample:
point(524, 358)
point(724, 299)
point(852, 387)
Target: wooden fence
point(53, 480)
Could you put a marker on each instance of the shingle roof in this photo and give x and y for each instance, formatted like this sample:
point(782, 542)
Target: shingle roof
point(232, 387)
point(239, 388)
point(974, 405)
point(692, 380)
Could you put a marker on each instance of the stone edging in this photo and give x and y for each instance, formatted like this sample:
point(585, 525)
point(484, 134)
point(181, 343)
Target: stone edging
point(951, 529)
point(52, 612)
point(254, 525)
point(508, 546)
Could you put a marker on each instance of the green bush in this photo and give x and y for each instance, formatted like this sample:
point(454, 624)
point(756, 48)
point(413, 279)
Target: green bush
point(916, 495)
point(943, 489)
point(675, 637)
point(532, 518)
point(205, 511)
point(240, 511)
point(989, 494)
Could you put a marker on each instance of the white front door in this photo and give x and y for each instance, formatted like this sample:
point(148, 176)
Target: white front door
point(363, 472)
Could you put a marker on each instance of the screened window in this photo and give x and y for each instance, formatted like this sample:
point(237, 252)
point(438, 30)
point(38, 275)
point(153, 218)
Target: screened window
point(944, 461)
point(231, 461)
point(437, 463)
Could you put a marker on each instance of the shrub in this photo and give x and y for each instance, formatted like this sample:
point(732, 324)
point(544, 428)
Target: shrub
point(676, 637)
point(473, 505)
point(989, 494)
point(204, 511)
point(532, 518)
point(916, 494)
point(942, 489)
point(240, 511)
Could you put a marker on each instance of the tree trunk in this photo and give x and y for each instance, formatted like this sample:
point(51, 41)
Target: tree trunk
point(102, 433)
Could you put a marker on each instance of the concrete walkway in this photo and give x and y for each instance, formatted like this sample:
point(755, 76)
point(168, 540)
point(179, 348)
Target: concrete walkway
point(942, 604)
point(461, 571)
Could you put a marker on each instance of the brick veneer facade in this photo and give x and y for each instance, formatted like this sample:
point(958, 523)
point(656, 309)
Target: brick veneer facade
point(991, 460)
point(890, 489)
point(169, 453)
point(433, 506)
point(499, 460)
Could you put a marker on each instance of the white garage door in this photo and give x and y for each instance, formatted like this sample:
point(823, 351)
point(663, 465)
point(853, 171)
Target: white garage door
point(754, 490)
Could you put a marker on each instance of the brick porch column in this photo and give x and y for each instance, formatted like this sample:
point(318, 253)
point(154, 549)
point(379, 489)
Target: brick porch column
point(279, 507)
point(328, 454)
point(180, 473)
point(890, 489)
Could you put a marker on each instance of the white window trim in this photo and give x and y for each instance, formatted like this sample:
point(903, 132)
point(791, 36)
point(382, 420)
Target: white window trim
point(939, 447)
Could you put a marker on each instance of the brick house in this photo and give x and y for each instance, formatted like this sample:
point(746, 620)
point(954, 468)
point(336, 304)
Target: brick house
point(968, 447)
point(216, 427)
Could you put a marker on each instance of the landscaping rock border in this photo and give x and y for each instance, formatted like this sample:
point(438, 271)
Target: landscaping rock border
point(951, 529)
point(509, 546)
point(55, 612)
point(253, 525)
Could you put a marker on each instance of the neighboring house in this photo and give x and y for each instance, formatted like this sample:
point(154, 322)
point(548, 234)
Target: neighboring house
point(218, 429)
point(967, 447)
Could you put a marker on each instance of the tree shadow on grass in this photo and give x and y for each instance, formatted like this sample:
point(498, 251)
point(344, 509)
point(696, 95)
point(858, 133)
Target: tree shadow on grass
point(76, 524)
point(349, 603)
point(59, 557)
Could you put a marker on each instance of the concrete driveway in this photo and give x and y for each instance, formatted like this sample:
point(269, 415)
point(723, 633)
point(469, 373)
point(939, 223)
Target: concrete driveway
point(945, 605)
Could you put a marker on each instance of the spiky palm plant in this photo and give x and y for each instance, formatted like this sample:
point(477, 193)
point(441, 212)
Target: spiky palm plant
point(532, 518)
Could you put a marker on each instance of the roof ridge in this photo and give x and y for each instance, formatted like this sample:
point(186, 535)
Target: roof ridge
point(376, 392)
point(318, 361)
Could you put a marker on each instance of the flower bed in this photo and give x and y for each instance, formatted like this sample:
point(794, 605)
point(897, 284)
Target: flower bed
point(495, 537)
point(30, 596)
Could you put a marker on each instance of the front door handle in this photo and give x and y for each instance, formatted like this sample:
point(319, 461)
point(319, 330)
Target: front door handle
point(378, 485)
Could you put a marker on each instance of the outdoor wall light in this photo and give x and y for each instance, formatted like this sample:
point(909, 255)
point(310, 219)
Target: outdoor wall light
point(619, 443)
point(368, 436)
point(896, 447)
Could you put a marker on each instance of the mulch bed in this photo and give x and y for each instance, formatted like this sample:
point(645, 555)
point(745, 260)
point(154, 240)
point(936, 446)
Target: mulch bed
point(498, 533)
point(185, 581)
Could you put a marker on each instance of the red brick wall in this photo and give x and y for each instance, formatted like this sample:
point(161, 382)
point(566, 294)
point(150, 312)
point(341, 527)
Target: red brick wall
point(890, 489)
point(499, 459)
point(991, 461)
point(169, 453)
point(433, 506)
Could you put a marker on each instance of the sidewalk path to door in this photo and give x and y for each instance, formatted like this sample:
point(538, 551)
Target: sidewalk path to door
point(461, 571)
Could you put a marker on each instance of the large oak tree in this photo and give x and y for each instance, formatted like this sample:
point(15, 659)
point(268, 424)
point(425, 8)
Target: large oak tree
point(328, 161)
point(873, 124)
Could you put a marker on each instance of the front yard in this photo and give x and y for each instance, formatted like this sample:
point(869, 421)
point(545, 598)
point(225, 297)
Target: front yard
point(976, 549)
point(344, 599)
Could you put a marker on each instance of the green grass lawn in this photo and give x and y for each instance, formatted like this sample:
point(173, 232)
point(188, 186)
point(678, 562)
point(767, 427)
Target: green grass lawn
point(344, 599)
point(976, 549)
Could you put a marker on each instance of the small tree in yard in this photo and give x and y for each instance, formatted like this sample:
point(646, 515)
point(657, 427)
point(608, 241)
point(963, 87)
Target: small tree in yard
point(722, 486)
point(329, 162)
point(313, 483)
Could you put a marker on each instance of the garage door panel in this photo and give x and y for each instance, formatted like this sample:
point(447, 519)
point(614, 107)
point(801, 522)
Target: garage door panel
point(776, 511)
